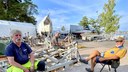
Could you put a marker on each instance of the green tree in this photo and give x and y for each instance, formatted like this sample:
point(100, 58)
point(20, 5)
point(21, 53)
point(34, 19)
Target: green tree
point(18, 10)
point(84, 22)
point(95, 25)
point(63, 28)
point(108, 20)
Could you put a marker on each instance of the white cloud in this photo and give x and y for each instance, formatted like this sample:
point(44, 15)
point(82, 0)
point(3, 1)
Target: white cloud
point(79, 8)
point(117, 1)
point(59, 16)
point(123, 20)
point(124, 17)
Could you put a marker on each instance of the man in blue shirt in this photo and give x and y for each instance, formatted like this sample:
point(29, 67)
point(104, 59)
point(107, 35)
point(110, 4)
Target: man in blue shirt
point(20, 55)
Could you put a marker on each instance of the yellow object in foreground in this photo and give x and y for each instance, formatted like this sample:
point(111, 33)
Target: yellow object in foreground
point(81, 46)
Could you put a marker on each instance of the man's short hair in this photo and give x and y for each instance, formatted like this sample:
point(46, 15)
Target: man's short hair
point(119, 39)
point(13, 32)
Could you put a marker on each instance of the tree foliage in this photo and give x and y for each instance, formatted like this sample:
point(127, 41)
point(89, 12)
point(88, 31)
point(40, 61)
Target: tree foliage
point(63, 28)
point(84, 22)
point(18, 10)
point(108, 19)
point(95, 25)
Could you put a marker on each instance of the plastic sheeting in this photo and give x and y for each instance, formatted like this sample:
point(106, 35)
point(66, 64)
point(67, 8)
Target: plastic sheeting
point(7, 26)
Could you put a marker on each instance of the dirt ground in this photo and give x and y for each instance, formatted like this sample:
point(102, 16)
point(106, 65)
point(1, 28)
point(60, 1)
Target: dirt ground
point(101, 46)
point(90, 46)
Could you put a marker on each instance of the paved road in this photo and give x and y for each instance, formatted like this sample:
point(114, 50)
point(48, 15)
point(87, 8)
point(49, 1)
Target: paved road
point(80, 67)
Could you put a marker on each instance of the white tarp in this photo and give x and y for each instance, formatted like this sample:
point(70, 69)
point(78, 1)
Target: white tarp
point(7, 26)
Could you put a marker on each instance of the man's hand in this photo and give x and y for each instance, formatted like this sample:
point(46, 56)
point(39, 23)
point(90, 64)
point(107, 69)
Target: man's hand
point(32, 68)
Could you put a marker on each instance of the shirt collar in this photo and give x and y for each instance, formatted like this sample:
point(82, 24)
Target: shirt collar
point(120, 46)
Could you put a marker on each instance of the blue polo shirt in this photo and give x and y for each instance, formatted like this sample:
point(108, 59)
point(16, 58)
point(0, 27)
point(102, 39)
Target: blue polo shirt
point(20, 54)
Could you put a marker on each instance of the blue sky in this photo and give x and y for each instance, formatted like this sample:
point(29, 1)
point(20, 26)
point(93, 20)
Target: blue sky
point(70, 12)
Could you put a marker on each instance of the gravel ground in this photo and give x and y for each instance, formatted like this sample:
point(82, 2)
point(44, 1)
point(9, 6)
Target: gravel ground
point(101, 46)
